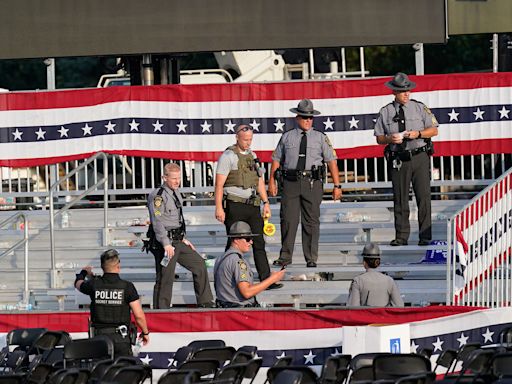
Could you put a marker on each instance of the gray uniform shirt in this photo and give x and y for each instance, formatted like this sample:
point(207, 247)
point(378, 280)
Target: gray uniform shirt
point(374, 289)
point(417, 118)
point(228, 161)
point(319, 149)
point(229, 270)
point(164, 214)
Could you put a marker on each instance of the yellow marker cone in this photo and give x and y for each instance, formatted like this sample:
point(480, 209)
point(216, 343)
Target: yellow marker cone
point(269, 229)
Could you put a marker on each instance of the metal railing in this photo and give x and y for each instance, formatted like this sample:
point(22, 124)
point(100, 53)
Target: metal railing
point(480, 246)
point(15, 218)
point(54, 214)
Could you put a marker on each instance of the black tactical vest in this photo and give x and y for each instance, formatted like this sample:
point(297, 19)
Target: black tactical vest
point(109, 306)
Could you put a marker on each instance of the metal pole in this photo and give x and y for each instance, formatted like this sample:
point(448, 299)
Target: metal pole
point(50, 73)
point(53, 272)
point(105, 202)
point(419, 59)
point(25, 236)
point(361, 60)
point(343, 62)
point(311, 61)
point(495, 52)
point(147, 70)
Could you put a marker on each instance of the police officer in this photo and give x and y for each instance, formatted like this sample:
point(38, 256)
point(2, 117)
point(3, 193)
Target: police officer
point(373, 288)
point(300, 155)
point(239, 191)
point(165, 206)
point(406, 126)
point(234, 283)
point(111, 301)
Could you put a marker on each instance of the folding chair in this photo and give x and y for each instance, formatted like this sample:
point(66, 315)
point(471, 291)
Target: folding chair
point(361, 366)
point(501, 366)
point(84, 352)
point(205, 367)
point(130, 374)
point(308, 376)
point(288, 377)
point(222, 354)
point(198, 344)
point(446, 360)
point(233, 373)
point(396, 366)
point(179, 377)
point(422, 378)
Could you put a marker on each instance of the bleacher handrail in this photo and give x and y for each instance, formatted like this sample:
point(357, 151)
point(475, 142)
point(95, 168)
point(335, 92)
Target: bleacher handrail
point(53, 214)
point(479, 246)
point(15, 218)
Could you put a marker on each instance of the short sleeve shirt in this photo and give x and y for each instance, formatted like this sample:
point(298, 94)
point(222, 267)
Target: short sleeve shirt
point(417, 117)
point(228, 162)
point(319, 149)
point(164, 213)
point(229, 270)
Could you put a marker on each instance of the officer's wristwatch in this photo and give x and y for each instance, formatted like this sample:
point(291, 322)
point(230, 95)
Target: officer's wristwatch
point(337, 186)
point(264, 201)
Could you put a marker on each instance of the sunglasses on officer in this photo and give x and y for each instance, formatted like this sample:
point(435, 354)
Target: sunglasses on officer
point(248, 239)
point(244, 128)
point(306, 117)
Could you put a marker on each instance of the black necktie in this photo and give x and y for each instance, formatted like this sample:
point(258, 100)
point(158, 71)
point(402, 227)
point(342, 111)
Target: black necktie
point(180, 208)
point(401, 119)
point(301, 164)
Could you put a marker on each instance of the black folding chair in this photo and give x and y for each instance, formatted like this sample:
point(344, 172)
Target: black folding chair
point(222, 354)
point(422, 378)
point(205, 367)
point(180, 376)
point(232, 372)
point(84, 352)
point(288, 377)
point(308, 375)
point(396, 366)
point(361, 366)
point(130, 374)
point(446, 359)
point(214, 343)
point(13, 378)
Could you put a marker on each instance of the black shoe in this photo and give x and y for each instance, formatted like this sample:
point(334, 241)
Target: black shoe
point(206, 305)
point(398, 242)
point(311, 264)
point(281, 263)
point(275, 286)
point(424, 242)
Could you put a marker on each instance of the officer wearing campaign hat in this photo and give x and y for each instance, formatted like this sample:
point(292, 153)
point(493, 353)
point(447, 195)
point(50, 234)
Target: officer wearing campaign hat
point(300, 156)
point(405, 126)
point(373, 288)
point(233, 276)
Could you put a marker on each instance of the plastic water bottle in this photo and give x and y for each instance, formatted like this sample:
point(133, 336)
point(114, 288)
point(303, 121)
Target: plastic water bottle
point(136, 348)
point(165, 260)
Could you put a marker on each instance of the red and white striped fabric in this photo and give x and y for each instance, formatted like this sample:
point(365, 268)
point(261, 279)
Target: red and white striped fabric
point(196, 122)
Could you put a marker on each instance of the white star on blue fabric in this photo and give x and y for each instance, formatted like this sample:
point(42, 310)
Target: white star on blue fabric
point(438, 345)
point(462, 339)
point(454, 116)
point(146, 359)
point(63, 131)
point(336, 353)
point(255, 126)
point(281, 355)
point(205, 126)
point(279, 126)
point(309, 357)
point(414, 347)
point(230, 126)
point(353, 122)
point(134, 126)
point(17, 134)
point(487, 336)
point(40, 134)
point(479, 114)
point(181, 127)
point(171, 362)
point(157, 126)
point(110, 127)
point(87, 129)
point(328, 124)
point(504, 113)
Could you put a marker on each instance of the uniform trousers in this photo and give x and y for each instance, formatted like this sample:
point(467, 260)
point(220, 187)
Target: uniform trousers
point(300, 199)
point(122, 345)
point(189, 259)
point(417, 171)
point(251, 214)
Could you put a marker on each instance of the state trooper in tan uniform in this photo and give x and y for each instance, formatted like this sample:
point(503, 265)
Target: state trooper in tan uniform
point(300, 156)
point(406, 126)
point(373, 288)
point(167, 242)
point(239, 192)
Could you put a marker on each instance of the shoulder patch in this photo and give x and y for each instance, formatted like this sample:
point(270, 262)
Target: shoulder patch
point(242, 265)
point(429, 112)
point(158, 201)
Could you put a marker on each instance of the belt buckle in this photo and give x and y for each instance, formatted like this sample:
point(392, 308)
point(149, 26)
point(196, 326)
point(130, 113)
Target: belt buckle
point(123, 330)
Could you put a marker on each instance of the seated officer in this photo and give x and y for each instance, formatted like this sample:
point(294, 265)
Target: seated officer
point(373, 288)
point(233, 276)
point(111, 301)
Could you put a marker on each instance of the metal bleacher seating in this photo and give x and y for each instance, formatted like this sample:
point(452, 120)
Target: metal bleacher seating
point(344, 229)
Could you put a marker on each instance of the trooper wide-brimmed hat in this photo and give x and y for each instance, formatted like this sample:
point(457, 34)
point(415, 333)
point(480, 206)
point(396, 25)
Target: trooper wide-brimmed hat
point(305, 108)
point(401, 82)
point(240, 229)
point(371, 251)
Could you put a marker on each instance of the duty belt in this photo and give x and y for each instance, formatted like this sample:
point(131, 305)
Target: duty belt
point(122, 330)
point(176, 234)
point(228, 304)
point(294, 174)
point(250, 201)
point(407, 155)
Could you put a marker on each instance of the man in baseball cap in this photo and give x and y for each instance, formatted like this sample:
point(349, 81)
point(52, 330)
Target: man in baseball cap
point(373, 288)
point(233, 276)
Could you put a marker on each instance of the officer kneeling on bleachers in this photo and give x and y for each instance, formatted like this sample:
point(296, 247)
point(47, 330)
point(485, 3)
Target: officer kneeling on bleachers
point(373, 288)
point(111, 301)
point(232, 273)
